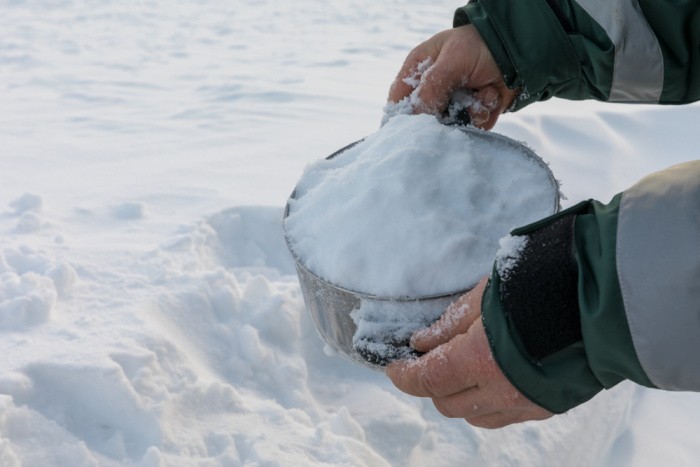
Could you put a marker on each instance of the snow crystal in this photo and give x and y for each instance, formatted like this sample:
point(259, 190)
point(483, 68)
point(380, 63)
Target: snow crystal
point(508, 255)
point(408, 104)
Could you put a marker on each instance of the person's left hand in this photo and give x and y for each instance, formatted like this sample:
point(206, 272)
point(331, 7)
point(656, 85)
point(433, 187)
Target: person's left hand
point(459, 59)
point(459, 372)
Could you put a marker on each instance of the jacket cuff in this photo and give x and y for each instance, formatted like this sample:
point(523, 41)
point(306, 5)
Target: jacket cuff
point(555, 317)
point(529, 45)
point(604, 325)
point(531, 317)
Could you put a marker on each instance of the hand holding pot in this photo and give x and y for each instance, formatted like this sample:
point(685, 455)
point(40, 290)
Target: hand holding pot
point(458, 59)
point(459, 372)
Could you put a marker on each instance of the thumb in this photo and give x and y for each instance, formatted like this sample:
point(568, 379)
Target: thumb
point(456, 319)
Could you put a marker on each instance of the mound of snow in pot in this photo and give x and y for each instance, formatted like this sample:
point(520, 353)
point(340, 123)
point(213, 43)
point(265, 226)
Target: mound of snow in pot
point(415, 209)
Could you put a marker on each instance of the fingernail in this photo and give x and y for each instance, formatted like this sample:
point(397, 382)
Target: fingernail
point(491, 100)
point(480, 117)
point(493, 104)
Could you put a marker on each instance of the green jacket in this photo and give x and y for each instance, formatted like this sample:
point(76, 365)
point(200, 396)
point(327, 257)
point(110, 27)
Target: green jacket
point(612, 50)
point(602, 292)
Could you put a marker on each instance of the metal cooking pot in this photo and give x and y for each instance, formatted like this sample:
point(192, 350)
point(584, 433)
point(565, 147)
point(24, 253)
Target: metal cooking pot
point(331, 305)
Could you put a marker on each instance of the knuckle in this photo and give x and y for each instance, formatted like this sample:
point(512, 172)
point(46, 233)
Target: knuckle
point(444, 408)
point(415, 55)
point(429, 380)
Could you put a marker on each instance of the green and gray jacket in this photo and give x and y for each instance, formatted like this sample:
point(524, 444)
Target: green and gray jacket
point(601, 292)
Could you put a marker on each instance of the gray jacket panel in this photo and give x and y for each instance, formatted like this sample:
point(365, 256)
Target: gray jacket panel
point(636, 49)
point(658, 266)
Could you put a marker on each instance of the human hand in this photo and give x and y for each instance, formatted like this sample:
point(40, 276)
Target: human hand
point(459, 372)
point(459, 59)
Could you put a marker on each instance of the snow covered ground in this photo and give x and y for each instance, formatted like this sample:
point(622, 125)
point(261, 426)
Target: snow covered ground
point(149, 311)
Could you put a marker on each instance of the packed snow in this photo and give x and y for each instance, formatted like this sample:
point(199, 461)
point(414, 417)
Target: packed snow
point(415, 209)
point(149, 310)
point(384, 328)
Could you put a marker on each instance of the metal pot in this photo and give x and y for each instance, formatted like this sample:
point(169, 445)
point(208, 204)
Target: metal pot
point(331, 305)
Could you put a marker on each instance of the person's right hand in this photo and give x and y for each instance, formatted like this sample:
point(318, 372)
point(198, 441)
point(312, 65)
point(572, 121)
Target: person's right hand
point(460, 59)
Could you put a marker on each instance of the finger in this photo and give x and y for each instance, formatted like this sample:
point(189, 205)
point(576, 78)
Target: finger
point(492, 421)
point(489, 122)
point(416, 64)
point(462, 62)
point(456, 319)
point(479, 401)
point(502, 419)
point(488, 97)
point(494, 393)
point(437, 85)
point(506, 98)
point(479, 116)
point(403, 84)
point(487, 103)
point(444, 371)
point(464, 404)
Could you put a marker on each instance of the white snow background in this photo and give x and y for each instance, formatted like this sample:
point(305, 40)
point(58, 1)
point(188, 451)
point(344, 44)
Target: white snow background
point(149, 311)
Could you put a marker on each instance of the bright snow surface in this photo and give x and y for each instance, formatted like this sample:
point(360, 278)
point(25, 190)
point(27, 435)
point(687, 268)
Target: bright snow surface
point(149, 310)
point(415, 209)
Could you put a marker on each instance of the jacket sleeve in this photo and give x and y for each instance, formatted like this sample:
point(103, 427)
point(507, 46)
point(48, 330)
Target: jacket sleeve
point(602, 293)
point(637, 51)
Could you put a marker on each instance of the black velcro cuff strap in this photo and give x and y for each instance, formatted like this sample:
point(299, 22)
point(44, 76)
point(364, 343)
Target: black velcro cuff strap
point(539, 294)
